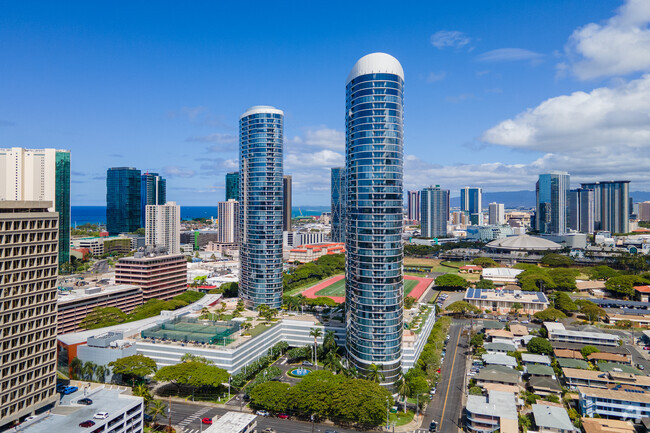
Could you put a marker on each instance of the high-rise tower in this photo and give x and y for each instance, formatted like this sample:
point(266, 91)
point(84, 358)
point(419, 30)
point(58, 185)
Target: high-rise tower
point(232, 186)
point(552, 191)
point(39, 174)
point(471, 202)
point(413, 206)
point(434, 212)
point(153, 191)
point(611, 205)
point(123, 200)
point(338, 204)
point(286, 203)
point(163, 226)
point(374, 215)
point(260, 207)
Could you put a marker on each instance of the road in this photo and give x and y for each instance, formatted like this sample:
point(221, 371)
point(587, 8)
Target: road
point(446, 406)
point(188, 416)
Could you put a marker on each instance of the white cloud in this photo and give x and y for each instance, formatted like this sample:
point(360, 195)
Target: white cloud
point(217, 138)
point(509, 54)
point(619, 46)
point(321, 137)
point(449, 38)
point(175, 171)
point(433, 77)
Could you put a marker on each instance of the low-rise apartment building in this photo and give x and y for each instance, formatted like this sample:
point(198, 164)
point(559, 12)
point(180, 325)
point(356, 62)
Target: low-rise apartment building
point(611, 403)
point(503, 301)
point(74, 305)
point(557, 333)
point(552, 419)
point(575, 377)
point(312, 252)
point(496, 411)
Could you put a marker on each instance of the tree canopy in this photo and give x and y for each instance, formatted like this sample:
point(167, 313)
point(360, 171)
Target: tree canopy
point(485, 262)
point(593, 313)
point(588, 350)
point(549, 315)
point(556, 260)
point(623, 285)
point(135, 366)
point(484, 284)
point(100, 317)
point(539, 346)
point(463, 307)
point(193, 373)
point(452, 281)
point(563, 302)
point(563, 278)
point(602, 273)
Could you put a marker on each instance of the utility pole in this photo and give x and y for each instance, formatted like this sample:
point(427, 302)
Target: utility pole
point(387, 425)
point(169, 413)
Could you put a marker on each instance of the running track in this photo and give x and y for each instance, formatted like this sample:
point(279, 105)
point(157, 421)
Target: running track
point(416, 293)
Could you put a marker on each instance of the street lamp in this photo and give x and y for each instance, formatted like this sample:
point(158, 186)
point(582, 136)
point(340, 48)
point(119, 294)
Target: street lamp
point(387, 424)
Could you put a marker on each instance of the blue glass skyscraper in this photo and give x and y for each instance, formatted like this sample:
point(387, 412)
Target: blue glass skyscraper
point(338, 204)
point(434, 212)
point(260, 212)
point(232, 186)
point(153, 190)
point(374, 172)
point(123, 200)
point(552, 215)
point(471, 202)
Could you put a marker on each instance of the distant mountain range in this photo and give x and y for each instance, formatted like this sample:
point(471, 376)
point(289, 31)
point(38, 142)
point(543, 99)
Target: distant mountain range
point(526, 199)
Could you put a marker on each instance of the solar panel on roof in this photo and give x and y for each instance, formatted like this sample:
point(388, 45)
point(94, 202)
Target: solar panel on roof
point(541, 297)
point(484, 297)
point(470, 293)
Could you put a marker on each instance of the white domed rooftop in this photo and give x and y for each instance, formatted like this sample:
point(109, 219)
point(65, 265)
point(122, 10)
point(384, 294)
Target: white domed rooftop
point(523, 243)
point(376, 63)
point(262, 109)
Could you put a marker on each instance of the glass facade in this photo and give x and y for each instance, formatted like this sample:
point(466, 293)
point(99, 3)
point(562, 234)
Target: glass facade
point(153, 190)
point(260, 212)
point(611, 205)
point(471, 202)
point(62, 203)
point(338, 204)
point(373, 215)
point(434, 212)
point(232, 186)
point(552, 192)
point(123, 200)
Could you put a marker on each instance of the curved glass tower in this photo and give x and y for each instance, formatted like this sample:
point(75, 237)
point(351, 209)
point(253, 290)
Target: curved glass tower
point(374, 166)
point(260, 216)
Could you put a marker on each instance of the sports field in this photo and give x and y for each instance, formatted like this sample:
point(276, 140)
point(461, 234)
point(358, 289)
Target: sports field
point(338, 288)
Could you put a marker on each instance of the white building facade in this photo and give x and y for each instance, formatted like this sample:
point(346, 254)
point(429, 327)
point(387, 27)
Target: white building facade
point(496, 213)
point(163, 227)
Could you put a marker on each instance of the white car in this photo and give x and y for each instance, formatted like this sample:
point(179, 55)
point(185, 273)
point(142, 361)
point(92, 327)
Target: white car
point(101, 415)
point(262, 413)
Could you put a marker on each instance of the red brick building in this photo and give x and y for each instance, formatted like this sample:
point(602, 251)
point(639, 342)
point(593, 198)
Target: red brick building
point(160, 276)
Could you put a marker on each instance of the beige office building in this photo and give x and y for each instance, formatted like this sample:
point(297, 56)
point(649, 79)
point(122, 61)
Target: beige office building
point(228, 221)
point(28, 274)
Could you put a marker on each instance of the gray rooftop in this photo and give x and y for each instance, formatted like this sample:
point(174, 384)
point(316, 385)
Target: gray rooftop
point(552, 417)
point(540, 370)
point(573, 363)
point(493, 374)
point(499, 347)
point(231, 422)
point(500, 359)
point(545, 382)
point(66, 417)
point(500, 404)
point(535, 359)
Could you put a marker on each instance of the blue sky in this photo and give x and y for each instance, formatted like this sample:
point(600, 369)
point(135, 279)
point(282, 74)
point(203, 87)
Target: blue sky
point(495, 92)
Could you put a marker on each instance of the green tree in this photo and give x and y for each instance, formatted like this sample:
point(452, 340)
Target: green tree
point(374, 373)
point(315, 332)
point(89, 370)
point(539, 346)
point(133, 367)
point(556, 260)
point(189, 357)
point(100, 373)
point(476, 341)
point(484, 284)
point(403, 390)
point(101, 317)
point(563, 302)
point(485, 262)
point(462, 307)
point(193, 373)
point(516, 307)
point(360, 401)
point(621, 285)
point(564, 279)
point(552, 398)
point(475, 390)
point(332, 362)
point(271, 396)
point(588, 350)
point(451, 282)
point(418, 385)
point(329, 341)
point(602, 273)
point(524, 422)
point(142, 391)
point(156, 409)
point(409, 302)
point(593, 313)
point(535, 281)
point(76, 367)
point(550, 315)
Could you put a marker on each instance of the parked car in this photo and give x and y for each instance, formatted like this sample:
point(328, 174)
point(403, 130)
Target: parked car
point(641, 367)
point(438, 371)
point(69, 390)
point(283, 416)
point(433, 427)
point(85, 401)
point(268, 430)
point(101, 415)
point(433, 391)
point(247, 397)
point(147, 418)
point(87, 424)
point(307, 363)
point(206, 420)
point(525, 322)
point(262, 413)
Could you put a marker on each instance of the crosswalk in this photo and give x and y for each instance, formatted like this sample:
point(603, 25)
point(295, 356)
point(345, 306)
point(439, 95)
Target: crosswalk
point(190, 419)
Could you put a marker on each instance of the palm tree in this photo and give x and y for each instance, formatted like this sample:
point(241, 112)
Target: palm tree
point(351, 372)
point(329, 341)
point(315, 332)
point(332, 363)
point(156, 409)
point(100, 373)
point(246, 326)
point(88, 370)
point(403, 389)
point(75, 367)
point(142, 391)
point(374, 373)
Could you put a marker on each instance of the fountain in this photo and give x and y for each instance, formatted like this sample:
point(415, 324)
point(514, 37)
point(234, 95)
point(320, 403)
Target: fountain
point(300, 372)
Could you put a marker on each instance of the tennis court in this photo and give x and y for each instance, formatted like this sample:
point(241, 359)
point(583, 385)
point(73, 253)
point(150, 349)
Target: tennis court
point(188, 330)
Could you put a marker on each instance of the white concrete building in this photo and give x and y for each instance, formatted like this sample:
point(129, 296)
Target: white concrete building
point(503, 301)
point(228, 220)
point(163, 226)
point(233, 422)
point(496, 214)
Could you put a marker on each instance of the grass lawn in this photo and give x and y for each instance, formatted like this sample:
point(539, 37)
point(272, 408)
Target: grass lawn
point(302, 287)
point(338, 288)
point(416, 274)
point(445, 269)
point(414, 261)
point(257, 330)
point(401, 418)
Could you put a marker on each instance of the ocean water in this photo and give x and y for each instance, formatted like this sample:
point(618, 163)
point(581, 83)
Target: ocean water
point(97, 214)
